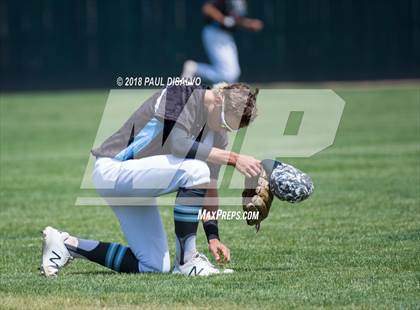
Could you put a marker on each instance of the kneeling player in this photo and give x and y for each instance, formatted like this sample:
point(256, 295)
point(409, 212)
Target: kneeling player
point(174, 142)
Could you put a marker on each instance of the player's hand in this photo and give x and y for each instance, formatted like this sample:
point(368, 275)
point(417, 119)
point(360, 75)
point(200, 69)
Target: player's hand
point(255, 25)
point(220, 252)
point(248, 166)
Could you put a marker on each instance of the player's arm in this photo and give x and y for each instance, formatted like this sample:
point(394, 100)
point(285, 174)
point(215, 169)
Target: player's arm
point(247, 165)
point(210, 11)
point(211, 204)
point(250, 23)
point(182, 145)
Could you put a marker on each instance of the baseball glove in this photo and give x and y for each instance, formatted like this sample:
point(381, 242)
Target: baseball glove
point(257, 197)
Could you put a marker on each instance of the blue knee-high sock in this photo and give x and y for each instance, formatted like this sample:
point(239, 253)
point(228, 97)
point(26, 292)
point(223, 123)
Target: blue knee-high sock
point(186, 222)
point(112, 255)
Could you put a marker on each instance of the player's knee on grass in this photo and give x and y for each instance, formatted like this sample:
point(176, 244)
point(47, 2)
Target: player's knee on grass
point(160, 263)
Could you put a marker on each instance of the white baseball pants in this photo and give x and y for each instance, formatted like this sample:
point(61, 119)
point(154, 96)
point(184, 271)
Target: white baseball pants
point(147, 177)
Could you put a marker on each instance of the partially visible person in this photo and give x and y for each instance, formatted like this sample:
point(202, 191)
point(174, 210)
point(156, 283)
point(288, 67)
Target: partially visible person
point(223, 17)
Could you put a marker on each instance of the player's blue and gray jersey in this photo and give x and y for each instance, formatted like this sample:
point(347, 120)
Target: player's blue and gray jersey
point(172, 121)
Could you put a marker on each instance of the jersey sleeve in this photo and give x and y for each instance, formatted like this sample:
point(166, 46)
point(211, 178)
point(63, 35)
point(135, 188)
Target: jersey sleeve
point(181, 145)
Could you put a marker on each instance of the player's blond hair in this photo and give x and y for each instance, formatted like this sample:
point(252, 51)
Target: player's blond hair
point(239, 99)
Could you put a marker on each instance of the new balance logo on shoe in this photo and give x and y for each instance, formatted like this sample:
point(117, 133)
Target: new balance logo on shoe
point(52, 259)
point(194, 269)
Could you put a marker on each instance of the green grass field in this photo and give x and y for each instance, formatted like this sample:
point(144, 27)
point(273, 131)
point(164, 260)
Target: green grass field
point(354, 244)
